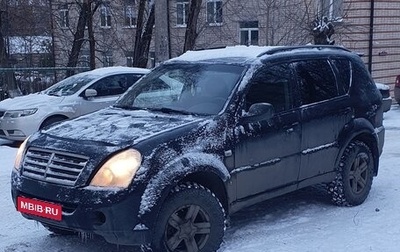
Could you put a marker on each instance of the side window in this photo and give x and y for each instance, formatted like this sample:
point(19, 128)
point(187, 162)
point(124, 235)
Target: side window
point(130, 80)
point(343, 74)
point(316, 79)
point(271, 85)
point(113, 85)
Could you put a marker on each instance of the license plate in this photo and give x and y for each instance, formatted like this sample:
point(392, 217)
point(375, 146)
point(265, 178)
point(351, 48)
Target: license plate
point(39, 208)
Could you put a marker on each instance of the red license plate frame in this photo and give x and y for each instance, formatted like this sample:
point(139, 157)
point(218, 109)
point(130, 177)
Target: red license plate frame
point(39, 208)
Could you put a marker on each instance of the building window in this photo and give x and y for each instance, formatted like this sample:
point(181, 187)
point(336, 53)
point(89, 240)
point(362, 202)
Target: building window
point(130, 16)
point(129, 61)
point(64, 16)
point(214, 12)
point(182, 12)
point(249, 33)
point(129, 58)
point(332, 9)
point(107, 61)
point(105, 16)
point(84, 60)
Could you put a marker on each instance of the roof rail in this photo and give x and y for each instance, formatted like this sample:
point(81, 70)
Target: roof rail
point(290, 48)
point(208, 48)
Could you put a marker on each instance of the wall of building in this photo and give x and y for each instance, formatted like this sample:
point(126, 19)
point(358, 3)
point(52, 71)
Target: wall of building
point(279, 23)
point(385, 47)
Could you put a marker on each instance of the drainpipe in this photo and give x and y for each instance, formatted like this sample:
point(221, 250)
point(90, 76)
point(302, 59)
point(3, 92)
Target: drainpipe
point(371, 35)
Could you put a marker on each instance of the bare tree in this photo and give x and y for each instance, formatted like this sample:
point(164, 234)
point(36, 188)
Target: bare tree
point(87, 8)
point(191, 26)
point(144, 33)
point(6, 78)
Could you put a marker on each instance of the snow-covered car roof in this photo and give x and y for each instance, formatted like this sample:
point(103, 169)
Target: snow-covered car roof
point(115, 69)
point(247, 52)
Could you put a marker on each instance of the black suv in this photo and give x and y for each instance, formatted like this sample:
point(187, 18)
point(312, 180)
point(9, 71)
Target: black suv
point(201, 137)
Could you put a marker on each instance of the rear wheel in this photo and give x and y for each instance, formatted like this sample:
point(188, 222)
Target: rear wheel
point(354, 175)
point(192, 219)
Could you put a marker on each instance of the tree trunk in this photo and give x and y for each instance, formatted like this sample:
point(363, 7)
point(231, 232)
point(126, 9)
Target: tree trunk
point(92, 42)
point(191, 26)
point(78, 38)
point(143, 39)
point(7, 78)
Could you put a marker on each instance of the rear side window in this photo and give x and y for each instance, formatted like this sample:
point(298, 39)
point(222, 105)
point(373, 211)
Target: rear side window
point(316, 79)
point(115, 85)
point(271, 84)
point(343, 74)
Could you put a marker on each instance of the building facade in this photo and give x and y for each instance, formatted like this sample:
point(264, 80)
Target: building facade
point(366, 26)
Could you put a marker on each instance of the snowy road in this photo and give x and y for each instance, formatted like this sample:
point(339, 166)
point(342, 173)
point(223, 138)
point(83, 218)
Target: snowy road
point(302, 221)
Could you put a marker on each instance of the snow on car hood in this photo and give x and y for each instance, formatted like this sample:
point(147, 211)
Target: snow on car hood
point(117, 126)
point(30, 101)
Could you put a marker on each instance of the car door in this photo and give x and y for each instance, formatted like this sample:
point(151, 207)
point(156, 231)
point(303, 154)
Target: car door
point(325, 111)
point(108, 91)
point(267, 152)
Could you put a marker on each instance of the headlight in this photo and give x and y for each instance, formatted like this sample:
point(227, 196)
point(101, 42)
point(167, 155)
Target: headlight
point(119, 170)
point(19, 113)
point(20, 152)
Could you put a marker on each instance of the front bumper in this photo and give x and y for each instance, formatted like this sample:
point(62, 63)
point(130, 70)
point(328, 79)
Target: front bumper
point(109, 214)
point(17, 129)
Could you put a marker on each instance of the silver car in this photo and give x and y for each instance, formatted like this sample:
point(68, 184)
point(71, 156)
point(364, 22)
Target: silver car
point(72, 97)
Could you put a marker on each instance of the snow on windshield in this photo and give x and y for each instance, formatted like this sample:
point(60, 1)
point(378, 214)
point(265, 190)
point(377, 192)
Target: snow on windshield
point(70, 85)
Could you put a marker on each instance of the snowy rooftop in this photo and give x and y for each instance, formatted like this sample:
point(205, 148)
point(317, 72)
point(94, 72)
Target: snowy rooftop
point(29, 44)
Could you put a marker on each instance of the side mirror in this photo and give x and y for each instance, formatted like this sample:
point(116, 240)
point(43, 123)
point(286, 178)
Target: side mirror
point(90, 93)
point(259, 112)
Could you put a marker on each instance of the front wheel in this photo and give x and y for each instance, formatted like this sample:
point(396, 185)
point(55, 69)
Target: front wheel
point(354, 175)
point(192, 219)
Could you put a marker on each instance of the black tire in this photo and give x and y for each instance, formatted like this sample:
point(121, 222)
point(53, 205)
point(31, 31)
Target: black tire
point(51, 120)
point(58, 231)
point(192, 219)
point(354, 175)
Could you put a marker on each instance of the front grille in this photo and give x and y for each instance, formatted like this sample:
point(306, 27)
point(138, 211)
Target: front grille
point(2, 133)
point(53, 166)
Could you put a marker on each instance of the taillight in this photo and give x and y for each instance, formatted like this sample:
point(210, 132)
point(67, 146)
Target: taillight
point(397, 83)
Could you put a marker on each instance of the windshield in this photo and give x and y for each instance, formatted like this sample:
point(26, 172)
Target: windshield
point(184, 88)
point(70, 85)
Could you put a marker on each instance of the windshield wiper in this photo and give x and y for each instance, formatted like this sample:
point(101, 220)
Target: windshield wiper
point(53, 94)
point(170, 110)
point(127, 107)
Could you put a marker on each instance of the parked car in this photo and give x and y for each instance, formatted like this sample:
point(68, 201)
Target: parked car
point(72, 97)
point(386, 98)
point(235, 127)
point(397, 89)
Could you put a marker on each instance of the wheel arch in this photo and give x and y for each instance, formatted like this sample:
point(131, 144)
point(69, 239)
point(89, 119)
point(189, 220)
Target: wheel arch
point(51, 117)
point(204, 169)
point(361, 130)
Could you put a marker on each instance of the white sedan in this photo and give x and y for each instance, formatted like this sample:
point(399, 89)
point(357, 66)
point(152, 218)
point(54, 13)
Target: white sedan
point(74, 96)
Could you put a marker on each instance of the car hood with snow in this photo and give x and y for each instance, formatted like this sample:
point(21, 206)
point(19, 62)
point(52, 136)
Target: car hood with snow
point(113, 126)
point(30, 101)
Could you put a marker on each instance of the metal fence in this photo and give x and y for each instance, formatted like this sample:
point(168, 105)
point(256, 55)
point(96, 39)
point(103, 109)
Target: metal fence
point(32, 80)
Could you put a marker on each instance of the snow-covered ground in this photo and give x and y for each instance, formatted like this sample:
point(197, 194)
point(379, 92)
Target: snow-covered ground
point(302, 221)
